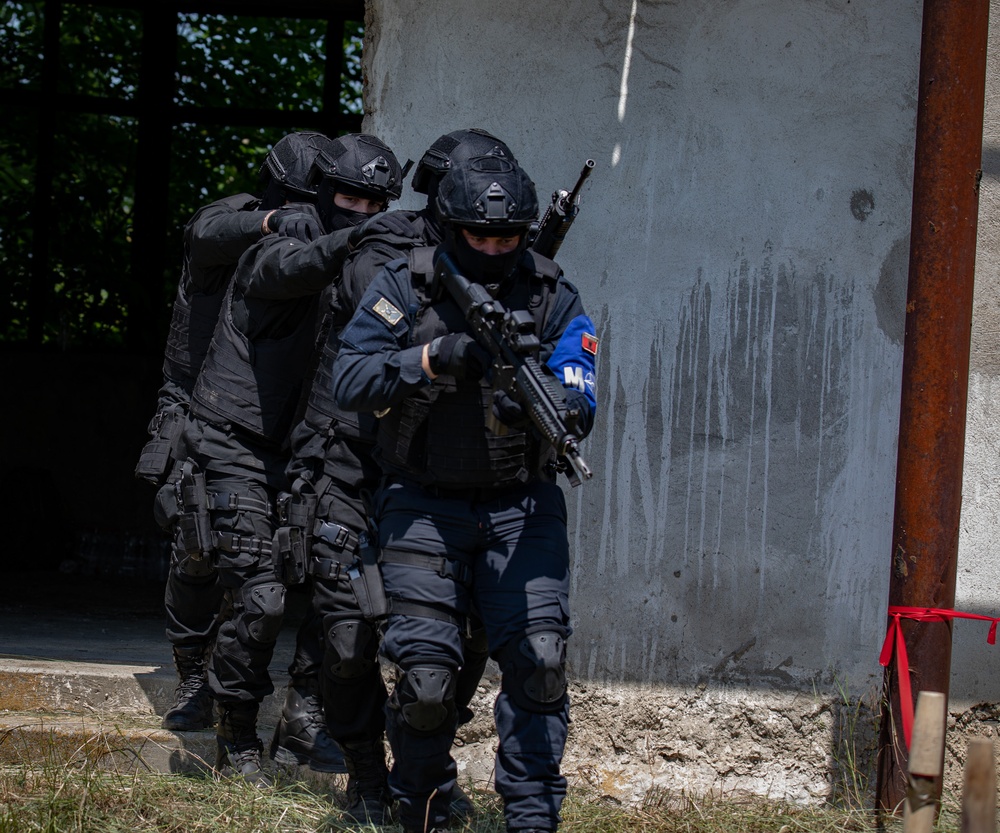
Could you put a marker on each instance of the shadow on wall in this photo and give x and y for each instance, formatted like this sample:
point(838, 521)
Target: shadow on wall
point(991, 161)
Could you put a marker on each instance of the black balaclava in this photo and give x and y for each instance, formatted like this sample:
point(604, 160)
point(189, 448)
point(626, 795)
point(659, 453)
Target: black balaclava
point(495, 272)
point(335, 217)
point(340, 218)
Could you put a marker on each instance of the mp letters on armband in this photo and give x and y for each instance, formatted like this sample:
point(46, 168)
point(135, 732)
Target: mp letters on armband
point(387, 312)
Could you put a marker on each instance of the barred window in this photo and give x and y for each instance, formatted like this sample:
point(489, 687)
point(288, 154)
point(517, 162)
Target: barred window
point(122, 118)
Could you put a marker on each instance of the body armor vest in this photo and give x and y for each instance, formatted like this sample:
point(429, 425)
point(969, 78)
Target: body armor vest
point(438, 436)
point(255, 384)
point(191, 326)
point(194, 316)
point(321, 409)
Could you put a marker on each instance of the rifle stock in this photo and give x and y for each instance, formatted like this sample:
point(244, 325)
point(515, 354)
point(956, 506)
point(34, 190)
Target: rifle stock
point(508, 336)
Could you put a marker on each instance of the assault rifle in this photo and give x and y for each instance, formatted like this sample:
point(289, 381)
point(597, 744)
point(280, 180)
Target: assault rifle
point(509, 337)
point(548, 235)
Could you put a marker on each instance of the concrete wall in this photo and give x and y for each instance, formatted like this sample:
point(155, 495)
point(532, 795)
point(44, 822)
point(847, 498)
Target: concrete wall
point(742, 248)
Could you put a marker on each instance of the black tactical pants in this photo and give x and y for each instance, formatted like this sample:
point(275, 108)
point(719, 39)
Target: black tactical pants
point(193, 595)
point(350, 681)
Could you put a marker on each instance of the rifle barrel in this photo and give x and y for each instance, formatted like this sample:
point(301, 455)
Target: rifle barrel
point(588, 166)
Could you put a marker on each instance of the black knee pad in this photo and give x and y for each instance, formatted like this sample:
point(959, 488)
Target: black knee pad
point(534, 670)
point(425, 698)
point(351, 647)
point(259, 610)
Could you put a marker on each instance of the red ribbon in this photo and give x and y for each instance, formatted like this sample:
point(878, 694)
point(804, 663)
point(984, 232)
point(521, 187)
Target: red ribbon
point(894, 638)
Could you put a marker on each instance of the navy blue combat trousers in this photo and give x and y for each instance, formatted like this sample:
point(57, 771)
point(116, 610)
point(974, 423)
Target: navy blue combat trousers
point(506, 556)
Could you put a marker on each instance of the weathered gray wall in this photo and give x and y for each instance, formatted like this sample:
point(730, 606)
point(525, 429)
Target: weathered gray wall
point(743, 250)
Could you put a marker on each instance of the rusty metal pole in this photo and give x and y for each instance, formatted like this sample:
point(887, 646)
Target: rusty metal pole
point(935, 357)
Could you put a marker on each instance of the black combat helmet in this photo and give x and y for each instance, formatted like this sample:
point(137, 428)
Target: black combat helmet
point(364, 165)
point(451, 149)
point(357, 165)
point(290, 172)
point(490, 195)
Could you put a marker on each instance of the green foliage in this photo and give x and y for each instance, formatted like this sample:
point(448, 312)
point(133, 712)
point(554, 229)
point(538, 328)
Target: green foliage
point(104, 42)
point(67, 227)
point(239, 61)
point(20, 45)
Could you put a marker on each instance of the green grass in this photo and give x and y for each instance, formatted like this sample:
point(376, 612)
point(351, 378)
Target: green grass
point(57, 798)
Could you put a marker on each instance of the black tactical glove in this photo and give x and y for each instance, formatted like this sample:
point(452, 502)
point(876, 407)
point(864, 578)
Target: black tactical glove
point(508, 410)
point(458, 355)
point(395, 223)
point(299, 221)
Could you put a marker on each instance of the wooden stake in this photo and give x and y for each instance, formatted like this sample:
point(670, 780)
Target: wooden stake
point(979, 788)
point(923, 781)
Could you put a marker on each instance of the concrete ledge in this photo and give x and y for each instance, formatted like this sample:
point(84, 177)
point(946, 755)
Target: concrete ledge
point(123, 745)
point(83, 687)
point(87, 688)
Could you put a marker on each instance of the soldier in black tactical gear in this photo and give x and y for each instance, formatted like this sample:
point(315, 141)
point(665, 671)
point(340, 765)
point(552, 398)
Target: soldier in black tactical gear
point(214, 239)
point(468, 514)
point(333, 476)
point(244, 402)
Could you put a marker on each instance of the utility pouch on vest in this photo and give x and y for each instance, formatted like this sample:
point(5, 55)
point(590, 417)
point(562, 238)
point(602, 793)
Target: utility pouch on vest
point(194, 523)
point(158, 453)
point(366, 581)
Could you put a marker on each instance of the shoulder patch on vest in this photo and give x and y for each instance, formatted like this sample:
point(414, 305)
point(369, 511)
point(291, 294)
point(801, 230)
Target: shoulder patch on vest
point(387, 312)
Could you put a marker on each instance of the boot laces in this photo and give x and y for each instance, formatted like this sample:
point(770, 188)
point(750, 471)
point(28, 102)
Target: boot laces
point(313, 711)
point(242, 759)
point(190, 687)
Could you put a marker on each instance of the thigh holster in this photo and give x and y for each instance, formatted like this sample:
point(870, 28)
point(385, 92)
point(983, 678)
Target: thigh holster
point(293, 538)
point(194, 526)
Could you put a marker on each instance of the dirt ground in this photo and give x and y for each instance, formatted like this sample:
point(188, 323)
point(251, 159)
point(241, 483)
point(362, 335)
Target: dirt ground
point(627, 741)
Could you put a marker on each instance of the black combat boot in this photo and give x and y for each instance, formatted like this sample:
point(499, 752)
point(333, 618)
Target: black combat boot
point(367, 782)
point(300, 736)
point(192, 708)
point(239, 748)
